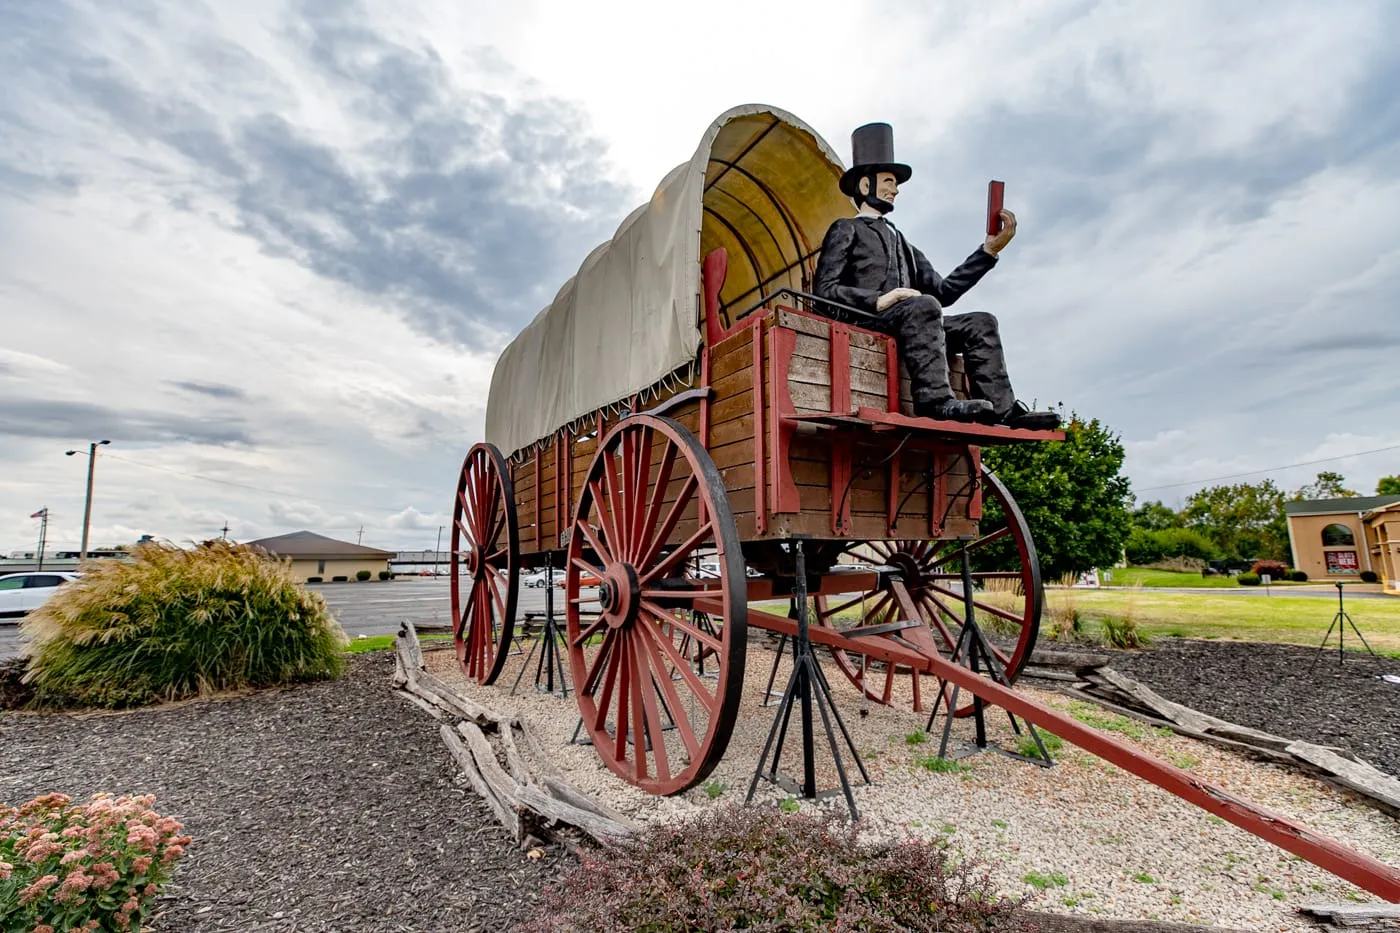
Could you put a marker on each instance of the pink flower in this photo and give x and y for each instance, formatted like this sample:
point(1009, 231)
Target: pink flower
point(141, 865)
point(77, 880)
point(130, 905)
point(32, 892)
point(5, 869)
point(43, 928)
point(149, 890)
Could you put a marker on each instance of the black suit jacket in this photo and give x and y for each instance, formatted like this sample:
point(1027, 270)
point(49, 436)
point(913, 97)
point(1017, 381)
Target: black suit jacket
point(856, 268)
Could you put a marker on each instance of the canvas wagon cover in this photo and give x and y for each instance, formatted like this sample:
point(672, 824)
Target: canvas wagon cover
point(631, 314)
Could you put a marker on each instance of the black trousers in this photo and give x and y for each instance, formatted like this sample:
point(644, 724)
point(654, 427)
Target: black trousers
point(926, 336)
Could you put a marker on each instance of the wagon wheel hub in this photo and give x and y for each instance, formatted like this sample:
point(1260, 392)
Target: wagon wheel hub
point(910, 570)
point(472, 558)
point(619, 595)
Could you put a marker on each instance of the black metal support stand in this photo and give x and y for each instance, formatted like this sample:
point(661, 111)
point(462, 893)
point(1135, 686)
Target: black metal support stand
point(550, 644)
point(974, 651)
point(805, 685)
point(1340, 621)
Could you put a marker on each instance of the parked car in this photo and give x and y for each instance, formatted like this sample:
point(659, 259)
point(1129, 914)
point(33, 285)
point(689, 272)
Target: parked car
point(540, 578)
point(21, 593)
point(584, 579)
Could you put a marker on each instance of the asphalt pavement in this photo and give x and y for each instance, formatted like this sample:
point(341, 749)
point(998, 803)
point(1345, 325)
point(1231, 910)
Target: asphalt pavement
point(370, 608)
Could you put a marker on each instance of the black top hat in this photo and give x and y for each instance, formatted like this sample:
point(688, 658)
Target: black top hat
point(872, 151)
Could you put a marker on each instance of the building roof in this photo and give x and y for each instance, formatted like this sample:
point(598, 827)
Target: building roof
point(310, 544)
point(1350, 505)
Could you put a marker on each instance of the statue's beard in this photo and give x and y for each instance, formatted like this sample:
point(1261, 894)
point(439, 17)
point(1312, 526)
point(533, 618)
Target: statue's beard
point(881, 205)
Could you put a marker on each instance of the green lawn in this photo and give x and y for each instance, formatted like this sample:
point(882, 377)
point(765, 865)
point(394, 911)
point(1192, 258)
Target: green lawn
point(1142, 576)
point(383, 642)
point(1298, 620)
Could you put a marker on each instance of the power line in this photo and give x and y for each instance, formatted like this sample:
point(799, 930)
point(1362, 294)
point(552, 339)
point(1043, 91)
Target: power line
point(226, 482)
point(1216, 479)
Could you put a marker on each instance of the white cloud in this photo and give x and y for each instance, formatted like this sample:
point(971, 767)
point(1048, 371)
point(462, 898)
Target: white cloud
point(258, 249)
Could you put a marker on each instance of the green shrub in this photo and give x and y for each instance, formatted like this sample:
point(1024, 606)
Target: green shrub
point(748, 868)
point(1298, 576)
point(362, 575)
point(1369, 576)
point(340, 579)
point(1122, 632)
point(96, 866)
point(173, 623)
point(1247, 579)
point(385, 575)
point(1146, 547)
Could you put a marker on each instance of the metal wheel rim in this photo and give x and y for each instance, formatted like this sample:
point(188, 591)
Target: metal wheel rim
point(486, 539)
point(619, 527)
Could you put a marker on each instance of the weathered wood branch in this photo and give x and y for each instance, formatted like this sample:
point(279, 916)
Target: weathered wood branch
point(528, 789)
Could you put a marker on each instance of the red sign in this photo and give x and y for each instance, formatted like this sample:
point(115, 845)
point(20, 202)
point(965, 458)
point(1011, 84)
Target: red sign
point(1342, 562)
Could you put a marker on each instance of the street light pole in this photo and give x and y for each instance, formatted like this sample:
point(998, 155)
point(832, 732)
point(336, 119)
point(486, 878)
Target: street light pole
point(437, 550)
point(87, 507)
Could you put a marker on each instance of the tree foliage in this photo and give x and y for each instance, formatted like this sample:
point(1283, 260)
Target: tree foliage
point(1328, 485)
point(1388, 486)
point(1073, 495)
point(1155, 516)
point(1245, 520)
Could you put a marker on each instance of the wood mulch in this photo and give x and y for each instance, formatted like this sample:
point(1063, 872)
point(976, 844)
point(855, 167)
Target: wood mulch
point(335, 806)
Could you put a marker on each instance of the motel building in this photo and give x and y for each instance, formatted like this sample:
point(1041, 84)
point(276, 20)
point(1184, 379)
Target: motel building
point(1339, 539)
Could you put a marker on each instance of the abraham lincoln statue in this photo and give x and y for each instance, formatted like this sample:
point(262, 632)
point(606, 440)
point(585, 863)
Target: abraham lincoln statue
point(867, 263)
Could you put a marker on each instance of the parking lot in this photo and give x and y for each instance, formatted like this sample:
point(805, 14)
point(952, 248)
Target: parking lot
point(374, 608)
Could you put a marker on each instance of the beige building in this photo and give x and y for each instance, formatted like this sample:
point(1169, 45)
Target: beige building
point(315, 556)
point(1339, 539)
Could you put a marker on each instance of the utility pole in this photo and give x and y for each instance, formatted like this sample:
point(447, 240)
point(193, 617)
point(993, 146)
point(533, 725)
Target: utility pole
point(224, 536)
point(43, 516)
point(360, 534)
point(87, 508)
point(437, 551)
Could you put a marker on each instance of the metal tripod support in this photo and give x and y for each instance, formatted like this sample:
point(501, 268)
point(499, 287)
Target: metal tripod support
point(1340, 621)
point(974, 651)
point(550, 645)
point(806, 686)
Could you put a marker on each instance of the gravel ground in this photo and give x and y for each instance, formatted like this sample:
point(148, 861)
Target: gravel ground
point(1123, 848)
point(335, 807)
point(326, 807)
point(1269, 687)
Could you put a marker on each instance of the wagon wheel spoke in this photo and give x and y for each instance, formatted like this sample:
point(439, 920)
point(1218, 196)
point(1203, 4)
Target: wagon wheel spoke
point(654, 720)
point(484, 548)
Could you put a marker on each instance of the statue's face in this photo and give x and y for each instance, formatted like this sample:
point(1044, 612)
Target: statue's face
point(886, 188)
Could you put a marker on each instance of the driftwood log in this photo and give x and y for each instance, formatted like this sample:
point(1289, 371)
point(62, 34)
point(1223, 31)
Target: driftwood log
point(1087, 676)
point(519, 784)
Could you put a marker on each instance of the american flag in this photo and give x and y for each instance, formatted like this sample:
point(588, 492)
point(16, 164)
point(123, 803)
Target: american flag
point(40, 514)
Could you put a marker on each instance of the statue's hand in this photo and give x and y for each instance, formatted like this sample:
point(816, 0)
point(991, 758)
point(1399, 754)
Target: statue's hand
point(997, 241)
point(894, 297)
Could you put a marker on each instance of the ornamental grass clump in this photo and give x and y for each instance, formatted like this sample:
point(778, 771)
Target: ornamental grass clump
point(98, 866)
point(746, 868)
point(173, 623)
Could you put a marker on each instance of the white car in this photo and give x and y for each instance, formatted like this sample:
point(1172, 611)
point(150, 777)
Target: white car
point(536, 579)
point(24, 592)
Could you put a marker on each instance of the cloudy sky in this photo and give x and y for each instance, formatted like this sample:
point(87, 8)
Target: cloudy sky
point(272, 249)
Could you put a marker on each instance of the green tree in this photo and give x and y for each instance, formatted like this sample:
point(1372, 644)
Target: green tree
point(1073, 494)
point(1154, 516)
point(1328, 485)
point(1388, 486)
point(1245, 520)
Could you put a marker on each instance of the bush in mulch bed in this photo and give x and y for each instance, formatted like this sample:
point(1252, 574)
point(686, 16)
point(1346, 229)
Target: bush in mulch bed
point(173, 623)
point(98, 866)
point(746, 868)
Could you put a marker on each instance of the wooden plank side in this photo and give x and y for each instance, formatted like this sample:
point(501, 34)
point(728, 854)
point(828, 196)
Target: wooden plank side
point(813, 327)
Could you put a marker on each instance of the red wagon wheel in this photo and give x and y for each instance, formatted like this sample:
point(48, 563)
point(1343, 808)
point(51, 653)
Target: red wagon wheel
point(486, 550)
point(652, 509)
point(1008, 601)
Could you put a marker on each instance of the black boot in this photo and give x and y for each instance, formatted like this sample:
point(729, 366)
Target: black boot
point(1020, 416)
point(955, 409)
